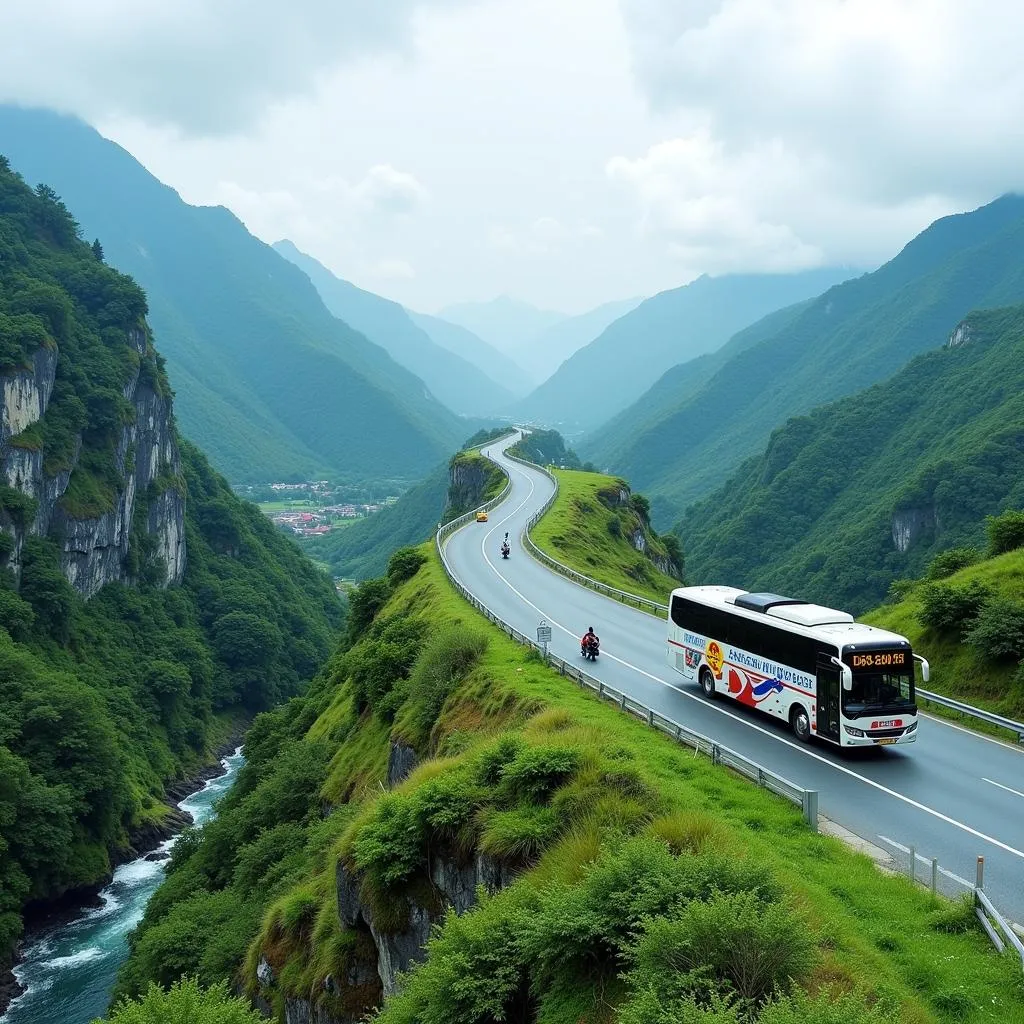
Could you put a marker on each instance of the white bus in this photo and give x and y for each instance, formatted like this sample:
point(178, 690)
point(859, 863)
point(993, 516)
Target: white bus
point(814, 667)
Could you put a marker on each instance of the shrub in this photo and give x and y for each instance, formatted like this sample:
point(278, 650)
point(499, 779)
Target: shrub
point(998, 630)
point(948, 562)
point(1005, 532)
point(519, 835)
point(185, 1001)
point(404, 564)
point(444, 662)
point(615, 527)
point(735, 941)
point(952, 609)
point(363, 604)
point(829, 1008)
point(900, 590)
point(537, 771)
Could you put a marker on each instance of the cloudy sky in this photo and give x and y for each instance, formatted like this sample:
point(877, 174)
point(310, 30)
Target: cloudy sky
point(566, 152)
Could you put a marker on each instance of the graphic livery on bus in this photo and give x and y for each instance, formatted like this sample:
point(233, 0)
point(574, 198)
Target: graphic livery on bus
point(815, 667)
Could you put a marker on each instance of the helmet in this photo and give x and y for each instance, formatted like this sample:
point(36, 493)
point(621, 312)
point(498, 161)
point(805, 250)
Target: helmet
point(590, 629)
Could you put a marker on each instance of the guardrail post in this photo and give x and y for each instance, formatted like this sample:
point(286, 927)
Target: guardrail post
point(810, 802)
point(913, 864)
point(714, 753)
point(935, 874)
point(650, 717)
point(600, 688)
point(622, 702)
point(980, 882)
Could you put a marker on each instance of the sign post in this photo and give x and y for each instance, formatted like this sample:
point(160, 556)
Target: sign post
point(544, 636)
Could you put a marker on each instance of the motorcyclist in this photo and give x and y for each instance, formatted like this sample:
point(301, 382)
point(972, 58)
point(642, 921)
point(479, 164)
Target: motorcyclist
point(588, 638)
point(505, 548)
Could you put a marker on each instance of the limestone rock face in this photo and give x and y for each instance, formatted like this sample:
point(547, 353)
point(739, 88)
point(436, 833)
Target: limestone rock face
point(96, 548)
point(909, 524)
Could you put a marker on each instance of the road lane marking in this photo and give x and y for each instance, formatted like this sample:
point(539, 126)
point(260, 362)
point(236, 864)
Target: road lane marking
point(1005, 744)
point(991, 782)
point(750, 725)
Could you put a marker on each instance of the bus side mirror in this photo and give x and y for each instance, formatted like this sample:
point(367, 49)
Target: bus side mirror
point(924, 667)
point(844, 673)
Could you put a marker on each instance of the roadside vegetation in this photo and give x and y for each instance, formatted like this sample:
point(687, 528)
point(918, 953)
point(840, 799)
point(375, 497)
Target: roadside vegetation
point(646, 884)
point(596, 527)
point(966, 616)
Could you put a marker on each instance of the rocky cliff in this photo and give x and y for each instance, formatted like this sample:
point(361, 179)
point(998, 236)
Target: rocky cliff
point(472, 481)
point(100, 540)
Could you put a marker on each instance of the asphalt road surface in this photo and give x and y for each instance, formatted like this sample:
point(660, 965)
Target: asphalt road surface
point(953, 795)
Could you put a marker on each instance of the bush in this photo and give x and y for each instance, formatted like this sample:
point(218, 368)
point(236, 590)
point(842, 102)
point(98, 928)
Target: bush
point(949, 562)
point(404, 564)
point(444, 662)
point(537, 771)
point(952, 609)
point(1005, 532)
point(733, 941)
point(363, 604)
point(900, 590)
point(185, 1003)
point(998, 630)
point(615, 527)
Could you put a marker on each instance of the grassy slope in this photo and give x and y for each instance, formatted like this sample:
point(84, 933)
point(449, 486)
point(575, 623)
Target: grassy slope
point(872, 929)
point(576, 531)
point(956, 670)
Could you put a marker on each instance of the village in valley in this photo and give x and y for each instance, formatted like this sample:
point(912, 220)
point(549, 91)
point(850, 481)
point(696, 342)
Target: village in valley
point(314, 507)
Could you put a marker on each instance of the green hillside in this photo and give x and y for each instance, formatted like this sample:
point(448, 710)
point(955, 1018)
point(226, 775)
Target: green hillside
point(923, 457)
point(484, 356)
point(598, 528)
point(855, 334)
point(630, 880)
point(460, 385)
point(941, 615)
point(103, 702)
point(271, 384)
point(620, 364)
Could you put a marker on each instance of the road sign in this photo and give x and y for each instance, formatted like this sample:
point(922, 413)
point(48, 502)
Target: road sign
point(544, 635)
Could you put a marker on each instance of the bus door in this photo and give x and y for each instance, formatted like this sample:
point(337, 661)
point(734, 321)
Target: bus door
point(829, 692)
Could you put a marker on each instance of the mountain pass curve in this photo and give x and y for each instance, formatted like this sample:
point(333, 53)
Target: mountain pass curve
point(953, 795)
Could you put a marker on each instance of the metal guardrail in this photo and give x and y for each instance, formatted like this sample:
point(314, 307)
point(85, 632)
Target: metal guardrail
point(968, 709)
point(806, 799)
point(661, 609)
point(999, 931)
point(643, 603)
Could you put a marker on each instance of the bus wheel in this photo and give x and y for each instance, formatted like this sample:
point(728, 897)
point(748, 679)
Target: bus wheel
point(800, 723)
point(707, 683)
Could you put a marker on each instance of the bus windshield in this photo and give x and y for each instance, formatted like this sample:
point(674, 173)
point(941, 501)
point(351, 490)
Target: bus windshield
point(874, 691)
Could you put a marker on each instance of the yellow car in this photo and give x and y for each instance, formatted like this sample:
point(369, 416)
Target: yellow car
point(481, 517)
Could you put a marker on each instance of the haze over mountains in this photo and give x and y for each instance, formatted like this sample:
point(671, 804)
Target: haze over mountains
point(270, 383)
point(853, 335)
point(459, 384)
point(612, 371)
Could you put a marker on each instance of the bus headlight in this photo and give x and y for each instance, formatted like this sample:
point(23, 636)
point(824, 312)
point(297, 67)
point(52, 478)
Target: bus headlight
point(850, 731)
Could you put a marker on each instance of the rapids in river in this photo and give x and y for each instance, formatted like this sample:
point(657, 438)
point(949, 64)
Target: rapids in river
point(69, 971)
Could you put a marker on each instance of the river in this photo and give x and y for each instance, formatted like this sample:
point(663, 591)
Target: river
point(69, 972)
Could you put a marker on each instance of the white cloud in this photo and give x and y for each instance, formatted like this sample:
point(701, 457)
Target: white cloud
point(203, 66)
point(386, 190)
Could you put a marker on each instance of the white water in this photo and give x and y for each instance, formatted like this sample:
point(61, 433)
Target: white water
point(69, 972)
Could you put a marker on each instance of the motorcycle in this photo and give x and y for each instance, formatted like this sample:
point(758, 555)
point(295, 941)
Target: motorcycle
point(591, 649)
point(505, 550)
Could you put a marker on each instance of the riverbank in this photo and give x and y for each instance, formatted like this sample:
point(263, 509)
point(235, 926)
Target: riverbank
point(44, 918)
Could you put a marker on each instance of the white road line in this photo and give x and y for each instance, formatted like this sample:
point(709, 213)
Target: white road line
point(1005, 744)
point(750, 725)
point(991, 782)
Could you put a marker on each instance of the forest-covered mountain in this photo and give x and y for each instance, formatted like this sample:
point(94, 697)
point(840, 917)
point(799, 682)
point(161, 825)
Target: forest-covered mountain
point(142, 606)
point(271, 384)
point(615, 369)
point(484, 356)
point(503, 322)
point(460, 385)
point(853, 335)
point(545, 351)
point(867, 489)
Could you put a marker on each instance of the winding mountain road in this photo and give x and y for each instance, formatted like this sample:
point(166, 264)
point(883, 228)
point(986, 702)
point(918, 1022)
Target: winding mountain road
point(954, 794)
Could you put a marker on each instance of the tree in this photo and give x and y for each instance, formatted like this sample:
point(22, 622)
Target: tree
point(1005, 532)
point(244, 640)
point(97, 250)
